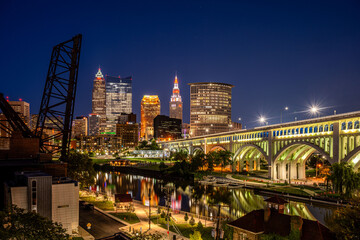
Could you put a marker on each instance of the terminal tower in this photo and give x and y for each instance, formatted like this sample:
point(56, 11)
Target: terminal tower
point(176, 105)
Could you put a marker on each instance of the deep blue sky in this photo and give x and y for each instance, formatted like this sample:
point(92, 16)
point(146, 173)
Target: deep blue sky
point(276, 53)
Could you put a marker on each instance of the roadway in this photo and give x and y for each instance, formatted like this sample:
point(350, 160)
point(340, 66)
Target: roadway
point(101, 225)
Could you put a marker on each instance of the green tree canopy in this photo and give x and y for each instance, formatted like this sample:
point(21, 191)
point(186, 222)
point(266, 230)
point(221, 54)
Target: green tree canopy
point(180, 155)
point(16, 224)
point(80, 168)
point(343, 178)
point(145, 145)
point(225, 158)
point(197, 161)
point(196, 236)
point(345, 222)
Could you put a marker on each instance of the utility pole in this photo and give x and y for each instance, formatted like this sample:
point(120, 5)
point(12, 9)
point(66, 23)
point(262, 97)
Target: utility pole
point(218, 225)
point(149, 208)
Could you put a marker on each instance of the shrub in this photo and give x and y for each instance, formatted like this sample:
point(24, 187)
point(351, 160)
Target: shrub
point(200, 227)
point(162, 166)
point(186, 217)
point(315, 184)
point(192, 221)
point(162, 215)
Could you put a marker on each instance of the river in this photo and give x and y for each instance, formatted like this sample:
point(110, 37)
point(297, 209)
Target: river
point(198, 199)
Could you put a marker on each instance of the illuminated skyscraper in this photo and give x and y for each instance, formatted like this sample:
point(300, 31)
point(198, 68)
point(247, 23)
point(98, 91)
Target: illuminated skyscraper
point(150, 108)
point(98, 95)
point(176, 105)
point(210, 108)
point(118, 96)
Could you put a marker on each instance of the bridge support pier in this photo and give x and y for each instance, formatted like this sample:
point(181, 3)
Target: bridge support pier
point(288, 170)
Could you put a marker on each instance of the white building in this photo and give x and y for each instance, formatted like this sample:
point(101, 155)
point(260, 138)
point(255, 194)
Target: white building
point(54, 198)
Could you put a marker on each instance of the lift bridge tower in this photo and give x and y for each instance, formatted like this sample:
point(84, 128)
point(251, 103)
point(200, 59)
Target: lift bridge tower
point(57, 104)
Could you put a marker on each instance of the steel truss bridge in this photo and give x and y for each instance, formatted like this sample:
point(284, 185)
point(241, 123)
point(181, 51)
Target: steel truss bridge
point(286, 146)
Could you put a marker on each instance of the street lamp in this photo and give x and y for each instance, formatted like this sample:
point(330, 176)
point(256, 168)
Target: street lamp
point(314, 110)
point(285, 109)
point(263, 120)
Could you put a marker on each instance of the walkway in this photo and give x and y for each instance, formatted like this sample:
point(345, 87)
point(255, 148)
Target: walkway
point(101, 225)
point(142, 213)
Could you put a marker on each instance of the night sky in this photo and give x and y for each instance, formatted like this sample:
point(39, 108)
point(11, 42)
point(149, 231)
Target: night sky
point(276, 53)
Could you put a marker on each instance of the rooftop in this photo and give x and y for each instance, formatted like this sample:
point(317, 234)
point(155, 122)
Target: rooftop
point(280, 224)
point(215, 83)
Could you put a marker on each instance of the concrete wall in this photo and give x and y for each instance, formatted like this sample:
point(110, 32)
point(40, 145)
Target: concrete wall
point(43, 194)
point(242, 235)
point(19, 197)
point(65, 205)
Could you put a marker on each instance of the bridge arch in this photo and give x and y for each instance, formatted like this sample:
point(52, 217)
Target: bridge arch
point(354, 158)
point(197, 150)
point(289, 162)
point(217, 147)
point(250, 153)
point(309, 144)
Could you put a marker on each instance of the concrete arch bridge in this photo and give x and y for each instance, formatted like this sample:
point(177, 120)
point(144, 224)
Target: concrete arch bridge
point(285, 147)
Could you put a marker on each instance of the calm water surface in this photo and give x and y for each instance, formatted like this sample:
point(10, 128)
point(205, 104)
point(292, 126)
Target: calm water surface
point(198, 199)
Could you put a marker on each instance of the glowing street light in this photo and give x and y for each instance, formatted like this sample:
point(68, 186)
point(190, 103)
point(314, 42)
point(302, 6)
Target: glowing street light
point(263, 120)
point(314, 109)
point(285, 109)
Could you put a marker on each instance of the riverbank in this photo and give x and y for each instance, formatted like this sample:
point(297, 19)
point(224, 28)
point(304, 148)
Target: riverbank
point(152, 171)
point(303, 193)
point(138, 221)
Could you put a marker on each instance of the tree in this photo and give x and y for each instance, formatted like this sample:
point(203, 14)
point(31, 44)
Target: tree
point(186, 217)
point(200, 226)
point(345, 222)
point(154, 145)
point(181, 155)
point(80, 168)
point(197, 161)
point(225, 158)
point(192, 221)
point(142, 145)
point(211, 159)
point(16, 223)
point(162, 166)
point(344, 179)
point(196, 236)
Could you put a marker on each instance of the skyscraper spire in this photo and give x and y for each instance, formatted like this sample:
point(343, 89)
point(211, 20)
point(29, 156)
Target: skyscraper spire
point(99, 74)
point(175, 101)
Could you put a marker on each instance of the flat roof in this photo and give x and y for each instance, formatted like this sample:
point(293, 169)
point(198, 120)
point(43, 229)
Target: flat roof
point(199, 83)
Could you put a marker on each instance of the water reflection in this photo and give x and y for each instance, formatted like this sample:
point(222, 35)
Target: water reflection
point(197, 199)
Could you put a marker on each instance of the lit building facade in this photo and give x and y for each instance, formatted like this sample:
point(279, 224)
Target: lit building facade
point(99, 95)
point(167, 128)
point(93, 124)
point(107, 144)
point(80, 127)
point(118, 96)
point(128, 134)
point(150, 108)
point(127, 118)
point(210, 108)
point(23, 109)
point(176, 105)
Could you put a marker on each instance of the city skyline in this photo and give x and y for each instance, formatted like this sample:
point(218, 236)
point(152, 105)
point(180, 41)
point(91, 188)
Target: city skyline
point(262, 48)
